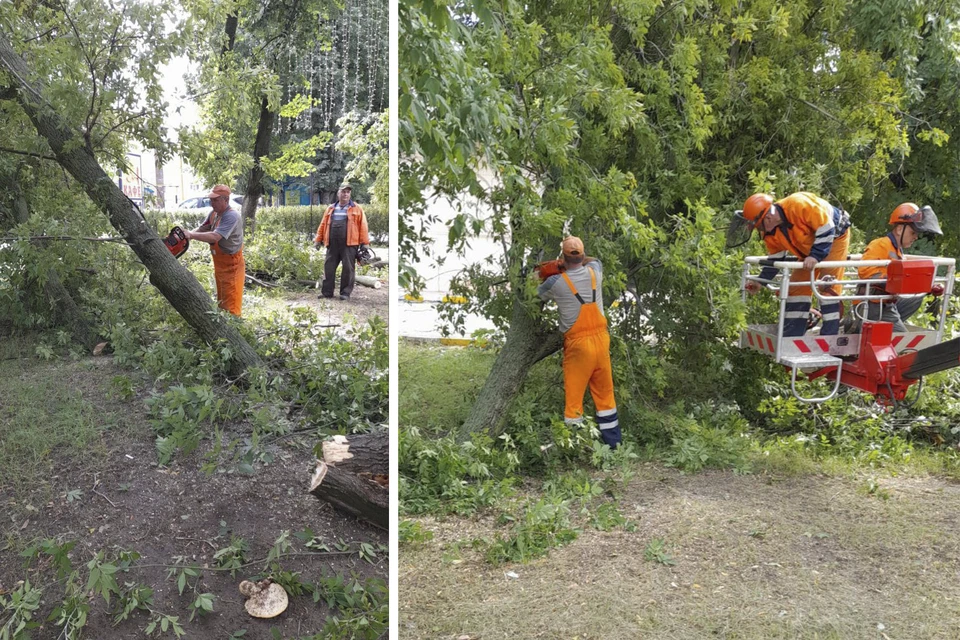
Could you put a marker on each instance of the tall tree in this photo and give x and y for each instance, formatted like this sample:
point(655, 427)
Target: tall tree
point(551, 107)
point(918, 44)
point(288, 73)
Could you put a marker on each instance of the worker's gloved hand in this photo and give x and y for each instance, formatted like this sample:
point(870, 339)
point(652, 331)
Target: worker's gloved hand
point(364, 246)
point(752, 287)
point(936, 290)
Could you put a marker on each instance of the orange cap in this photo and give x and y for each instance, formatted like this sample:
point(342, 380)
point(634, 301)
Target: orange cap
point(219, 191)
point(572, 246)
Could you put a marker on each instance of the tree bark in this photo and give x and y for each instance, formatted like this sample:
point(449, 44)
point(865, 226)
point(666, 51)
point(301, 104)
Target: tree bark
point(261, 148)
point(352, 476)
point(161, 188)
point(171, 278)
point(527, 343)
point(367, 453)
point(231, 30)
point(357, 496)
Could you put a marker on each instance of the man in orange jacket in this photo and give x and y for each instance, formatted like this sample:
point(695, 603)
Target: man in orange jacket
point(813, 230)
point(343, 230)
point(586, 342)
point(223, 231)
point(909, 223)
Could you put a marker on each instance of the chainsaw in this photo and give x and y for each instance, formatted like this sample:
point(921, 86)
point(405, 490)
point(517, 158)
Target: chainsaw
point(177, 242)
point(366, 256)
point(550, 268)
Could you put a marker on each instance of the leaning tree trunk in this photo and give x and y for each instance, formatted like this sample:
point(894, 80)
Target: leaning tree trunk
point(527, 343)
point(261, 148)
point(353, 476)
point(171, 278)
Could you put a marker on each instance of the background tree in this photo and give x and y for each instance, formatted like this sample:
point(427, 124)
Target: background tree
point(288, 72)
point(917, 43)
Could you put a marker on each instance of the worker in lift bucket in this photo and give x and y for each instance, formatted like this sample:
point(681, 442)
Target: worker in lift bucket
point(586, 342)
point(909, 223)
point(808, 227)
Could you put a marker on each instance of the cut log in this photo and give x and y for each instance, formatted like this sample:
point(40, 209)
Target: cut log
point(367, 453)
point(353, 475)
point(258, 281)
point(354, 494)
point(368, 281)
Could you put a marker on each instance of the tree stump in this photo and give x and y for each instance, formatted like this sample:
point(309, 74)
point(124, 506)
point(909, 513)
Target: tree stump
point(353, 476)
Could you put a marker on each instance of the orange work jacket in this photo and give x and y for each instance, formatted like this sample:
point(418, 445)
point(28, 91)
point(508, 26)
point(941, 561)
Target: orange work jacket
point(885, 248)
point(357, 231)
point(808, 227)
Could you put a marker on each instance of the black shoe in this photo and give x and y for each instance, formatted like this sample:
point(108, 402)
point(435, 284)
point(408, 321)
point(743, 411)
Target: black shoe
point(324, 295)
point(344, 297)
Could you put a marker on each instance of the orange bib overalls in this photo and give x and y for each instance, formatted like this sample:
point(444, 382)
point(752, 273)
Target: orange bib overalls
point(229, 272)
point(586, 361)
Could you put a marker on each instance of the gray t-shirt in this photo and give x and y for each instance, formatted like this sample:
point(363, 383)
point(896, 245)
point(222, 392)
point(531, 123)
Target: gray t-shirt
point(556, 288)
point(230, 227)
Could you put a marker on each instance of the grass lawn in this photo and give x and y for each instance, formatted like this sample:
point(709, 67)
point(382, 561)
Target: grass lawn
point(793, 545)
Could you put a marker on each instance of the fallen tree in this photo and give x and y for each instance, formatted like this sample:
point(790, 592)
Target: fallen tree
point(353, 474)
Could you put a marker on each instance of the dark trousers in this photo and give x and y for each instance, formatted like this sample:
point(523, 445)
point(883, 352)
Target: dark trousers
point(339, 253)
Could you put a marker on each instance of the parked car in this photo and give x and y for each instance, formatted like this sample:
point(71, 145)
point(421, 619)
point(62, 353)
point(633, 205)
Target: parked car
point(201, 204)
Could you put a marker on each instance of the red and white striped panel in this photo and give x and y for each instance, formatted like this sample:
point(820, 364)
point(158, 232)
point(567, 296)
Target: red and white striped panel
point(913, 341)
point(843, 345)
point(759, 341)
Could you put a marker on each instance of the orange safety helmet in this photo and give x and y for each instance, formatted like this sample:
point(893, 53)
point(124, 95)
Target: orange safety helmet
point(905, 214)
point(923, 220)
point(744, 222)
point(756, 207)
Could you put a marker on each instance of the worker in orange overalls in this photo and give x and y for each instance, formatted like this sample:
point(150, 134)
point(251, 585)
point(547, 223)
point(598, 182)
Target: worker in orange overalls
point(343, 230)
point(810, 228)
point(223, 230)
point(910, 222)
point(586, 342)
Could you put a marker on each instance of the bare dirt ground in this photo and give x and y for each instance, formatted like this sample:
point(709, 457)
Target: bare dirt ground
point(364, 303)
point(126, 501)
point(756, 557)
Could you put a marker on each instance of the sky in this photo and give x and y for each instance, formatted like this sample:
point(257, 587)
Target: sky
point(174, 86)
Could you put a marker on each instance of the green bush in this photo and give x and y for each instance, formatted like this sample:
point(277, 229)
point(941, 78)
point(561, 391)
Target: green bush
point(441, 475)
point(282, 255)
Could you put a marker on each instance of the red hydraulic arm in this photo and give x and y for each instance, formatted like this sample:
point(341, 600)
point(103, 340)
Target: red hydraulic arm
point(879, 371)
